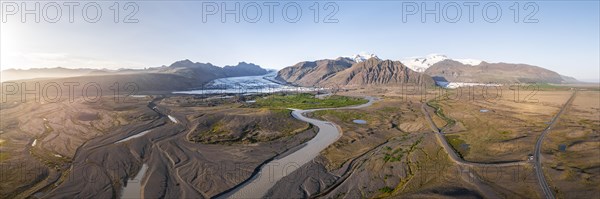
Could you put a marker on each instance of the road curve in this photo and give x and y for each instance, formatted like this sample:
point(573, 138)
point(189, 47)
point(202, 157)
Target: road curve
point(539, 171)
point(278, 168)
point(453, 155)
point(548, 193)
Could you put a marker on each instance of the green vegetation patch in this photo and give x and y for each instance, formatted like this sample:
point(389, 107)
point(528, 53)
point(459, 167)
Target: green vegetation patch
point(386, 189)
point(4, 156)
point(399, 153)
point(343, 115)
point(543, 86)
point(458, 145)
point(249, 125)
point(590, 124)
point(306, 101)
point(218, 128)
point(440, 113)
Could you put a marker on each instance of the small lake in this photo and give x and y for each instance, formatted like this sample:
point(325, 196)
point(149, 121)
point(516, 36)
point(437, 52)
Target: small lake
point(562, 147)
point(359, 121)
point(464, 146)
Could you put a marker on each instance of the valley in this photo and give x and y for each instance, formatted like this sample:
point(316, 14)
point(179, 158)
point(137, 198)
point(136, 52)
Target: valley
point(299, 99)
point(348, 128)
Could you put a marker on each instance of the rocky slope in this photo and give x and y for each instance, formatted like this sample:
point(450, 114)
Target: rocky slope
point(244, 69)
point(379, 72)
point(310, 73)
point(484, 72)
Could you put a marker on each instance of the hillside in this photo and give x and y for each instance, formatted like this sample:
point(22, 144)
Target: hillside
point(310, 73)
point(484, 72)
point(379, 72)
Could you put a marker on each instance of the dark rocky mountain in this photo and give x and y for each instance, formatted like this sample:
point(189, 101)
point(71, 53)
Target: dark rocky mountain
point(198, 70)
point(244, 69)
point(310, 73)
point(454, 71)
point(189, 69)
point(379, 72)
point(346, 72)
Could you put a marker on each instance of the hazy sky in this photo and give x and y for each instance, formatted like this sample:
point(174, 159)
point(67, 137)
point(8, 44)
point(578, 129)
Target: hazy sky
point(565, 37)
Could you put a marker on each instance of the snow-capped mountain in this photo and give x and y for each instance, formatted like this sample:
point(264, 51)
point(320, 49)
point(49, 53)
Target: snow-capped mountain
point(363, 56)
point(444, 71)
point(420, 64)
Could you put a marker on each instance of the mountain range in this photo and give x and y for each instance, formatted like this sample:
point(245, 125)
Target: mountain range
point(180, 75)
point(503, 73)
point(367, 69)
point(352, 71)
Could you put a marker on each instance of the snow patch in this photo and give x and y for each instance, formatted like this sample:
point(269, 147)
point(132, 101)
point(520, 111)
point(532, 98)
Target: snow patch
point(472, 62)
point(362, 56)
point(173, 119)
point(134, 136)
point(420, 64)
point(453, 85)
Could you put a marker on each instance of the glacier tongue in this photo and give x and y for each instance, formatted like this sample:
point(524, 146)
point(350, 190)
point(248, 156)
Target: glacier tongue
point(248, 85)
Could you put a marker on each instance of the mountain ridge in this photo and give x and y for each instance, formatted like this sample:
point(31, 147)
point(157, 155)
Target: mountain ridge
point(436, 66)
point(454, 71)
point(347, 72)
point(184, 68)
point(180, 75)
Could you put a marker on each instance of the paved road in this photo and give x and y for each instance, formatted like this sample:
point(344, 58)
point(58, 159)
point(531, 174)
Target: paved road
point(276, 169)
point(539, 171)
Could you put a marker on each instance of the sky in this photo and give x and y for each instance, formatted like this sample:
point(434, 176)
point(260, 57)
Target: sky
point(563, 36)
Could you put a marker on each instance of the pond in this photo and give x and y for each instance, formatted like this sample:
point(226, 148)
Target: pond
point(562, 147)
point(359, 121)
